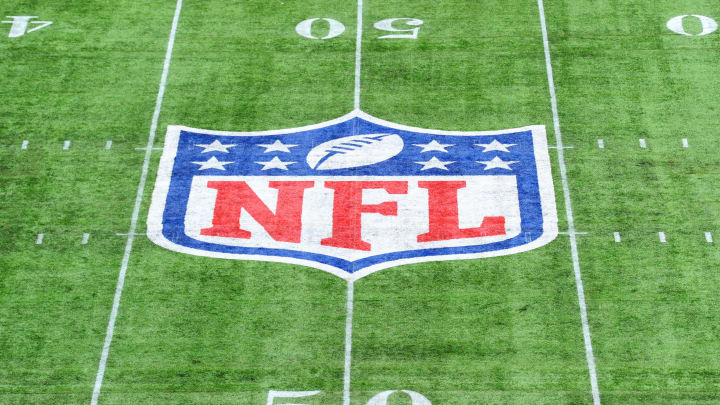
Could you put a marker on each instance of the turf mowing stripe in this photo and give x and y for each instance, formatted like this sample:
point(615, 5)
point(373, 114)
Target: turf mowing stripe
point(136, 210)
point(568, 210)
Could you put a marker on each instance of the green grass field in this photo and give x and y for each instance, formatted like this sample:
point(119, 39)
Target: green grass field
point(505, 330)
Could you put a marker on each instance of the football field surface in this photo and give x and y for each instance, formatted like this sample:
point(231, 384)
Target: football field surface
point(621, 308)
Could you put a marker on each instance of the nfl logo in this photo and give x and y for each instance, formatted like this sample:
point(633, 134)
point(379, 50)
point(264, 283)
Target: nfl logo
point(353, 195)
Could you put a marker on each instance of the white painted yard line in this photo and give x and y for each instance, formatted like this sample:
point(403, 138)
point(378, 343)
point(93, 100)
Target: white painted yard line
point(568, 210)
point(348, 340)
point(358, 53)
point(643, 144)
point(662, 237)
point(136, 210)
point(39, 239)
point(708, 237)
point(685, 143)
point(616, 235)
point(86, 237)
point(24, 145)
point(108, 145)
point(601, 144)
point(66, 145)
point(351, 284)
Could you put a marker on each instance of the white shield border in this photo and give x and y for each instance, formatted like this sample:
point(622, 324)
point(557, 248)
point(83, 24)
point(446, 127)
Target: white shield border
point(162, 185)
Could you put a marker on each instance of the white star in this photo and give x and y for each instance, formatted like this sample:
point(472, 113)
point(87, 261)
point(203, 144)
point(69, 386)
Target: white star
point(275, 163)
point(495, 146)
point(212, 163)
point(497, 163)
point(433, 146)
point(277, 146)
point(215, 146)
point(434, 163)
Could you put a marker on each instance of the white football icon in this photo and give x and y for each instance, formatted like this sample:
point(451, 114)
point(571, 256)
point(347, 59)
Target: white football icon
point(354, 151)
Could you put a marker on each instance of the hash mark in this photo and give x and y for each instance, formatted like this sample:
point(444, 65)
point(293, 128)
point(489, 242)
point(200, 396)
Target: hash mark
point(39, 239)
point(85, 238)
point(643, 144)
point(708, 237)
point(24, 145)
point(601, 144)
point(662, 237)
point(108, 145)
point(66, 145)
point(616, 235)
point(685, 143)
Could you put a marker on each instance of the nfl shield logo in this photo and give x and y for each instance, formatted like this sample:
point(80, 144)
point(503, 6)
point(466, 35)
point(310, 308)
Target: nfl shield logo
point(353, 195)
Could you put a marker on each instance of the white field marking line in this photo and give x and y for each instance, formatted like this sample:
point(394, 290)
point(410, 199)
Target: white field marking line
point(564, 147)
point(643, 144)
point(358, 53)
point(133, 234)
point(66, 145)
point(616, 235)
point(24, 145)
point(568, 210)
point(601, 144)
point(348, 341)
point(85, 238)
point(574, 233)
point(145, 148)
point(136, 210)
point(108, 145)
point(39, 239)
point(708, 237)
point(351, 284)
point(685, 143)
point(661, 235)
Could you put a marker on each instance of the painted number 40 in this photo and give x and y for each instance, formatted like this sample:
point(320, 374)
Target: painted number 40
point(399, 27)
point(379, 399)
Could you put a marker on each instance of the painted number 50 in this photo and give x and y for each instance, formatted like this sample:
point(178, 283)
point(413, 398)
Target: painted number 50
point(336, 28)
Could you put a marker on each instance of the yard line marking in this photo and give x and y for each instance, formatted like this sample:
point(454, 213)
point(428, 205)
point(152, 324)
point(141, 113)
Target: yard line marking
point(662, 237)
point(108, 145)
point(85, 238)
point(708, 237)
point(685, 143)
point(66, 145)
point(145, 148)
point(616, 235)
point(358, 53)
point(24, 145)
point(136, 210)
point(568, 210)
point(348, 341)
point(564, 147)
point(643, 144)
point(601, 144)
point(39, 239)
point(133, 234)
point(573, 233)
